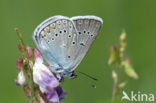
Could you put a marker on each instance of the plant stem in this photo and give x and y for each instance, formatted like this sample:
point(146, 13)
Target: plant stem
point(114, 90)
point(20, 38)
point(32, 86)
point(115, 79)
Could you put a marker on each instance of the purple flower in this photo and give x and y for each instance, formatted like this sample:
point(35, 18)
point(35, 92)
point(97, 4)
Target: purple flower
point(61, 93)
point(46, 80)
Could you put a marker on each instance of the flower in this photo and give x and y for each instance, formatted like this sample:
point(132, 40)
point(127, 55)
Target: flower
point(20, 79)
point(19, 64)
point(61, 93)
point(46, 80)
point(27, 91)
point(129, 70)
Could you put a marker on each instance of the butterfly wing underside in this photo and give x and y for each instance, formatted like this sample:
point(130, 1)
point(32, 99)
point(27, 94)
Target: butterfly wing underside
point(88, 27)
point(56, 39)
point(65, 41)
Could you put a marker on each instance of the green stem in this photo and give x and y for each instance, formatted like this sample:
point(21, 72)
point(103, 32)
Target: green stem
point(20, 38)
point(115, 83)
point(32, 86)
point(114, 90)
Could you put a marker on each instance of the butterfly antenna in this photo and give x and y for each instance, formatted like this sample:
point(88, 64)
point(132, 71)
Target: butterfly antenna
point(87, 75)
point(88, 82)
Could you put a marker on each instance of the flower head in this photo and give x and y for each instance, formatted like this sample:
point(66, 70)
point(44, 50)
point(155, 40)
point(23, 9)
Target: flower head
point(46, 80)
point(47, 88)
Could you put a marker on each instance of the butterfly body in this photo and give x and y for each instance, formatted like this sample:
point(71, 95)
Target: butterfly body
point(65, 41)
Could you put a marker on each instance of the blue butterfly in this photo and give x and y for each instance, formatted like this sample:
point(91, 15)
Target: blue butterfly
point(65, 41)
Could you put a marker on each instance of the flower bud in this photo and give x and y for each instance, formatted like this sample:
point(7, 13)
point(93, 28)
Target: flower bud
point(37, 53)
point(114, 75)
point(20, 79)
point(122, 85)
point(123, 36)
point(19, 64)
point(114, 55)
point(129, 69)
point(21, 48)
point(29, 52)
point(25, 62)
point(27, 90)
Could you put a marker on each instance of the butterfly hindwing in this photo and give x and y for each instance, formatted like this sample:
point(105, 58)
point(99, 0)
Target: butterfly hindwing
point(88, 27)
point(56, 40)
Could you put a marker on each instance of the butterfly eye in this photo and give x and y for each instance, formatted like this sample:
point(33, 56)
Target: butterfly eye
point(57, 69)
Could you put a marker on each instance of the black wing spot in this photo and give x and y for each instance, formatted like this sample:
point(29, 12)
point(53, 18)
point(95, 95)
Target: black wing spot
point(73, 42)
point(84, 31)
point(52, 38)
point(91, 35)
point(68, 56)
point(60, 32)
point(69, 36)
point(88, 32)
point(79, 32)
point(65, 31)
point(82, 44)
point(56, 34)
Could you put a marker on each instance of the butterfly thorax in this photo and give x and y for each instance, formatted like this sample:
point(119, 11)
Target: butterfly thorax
point(66, 73)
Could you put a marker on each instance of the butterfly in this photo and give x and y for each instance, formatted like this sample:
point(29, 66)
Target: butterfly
point(64, 41)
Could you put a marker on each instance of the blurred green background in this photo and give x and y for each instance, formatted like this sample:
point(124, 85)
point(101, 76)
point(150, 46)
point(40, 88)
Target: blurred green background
point(138, 17)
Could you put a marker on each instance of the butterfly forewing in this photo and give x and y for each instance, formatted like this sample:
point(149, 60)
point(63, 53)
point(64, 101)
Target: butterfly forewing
point(57, 41)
